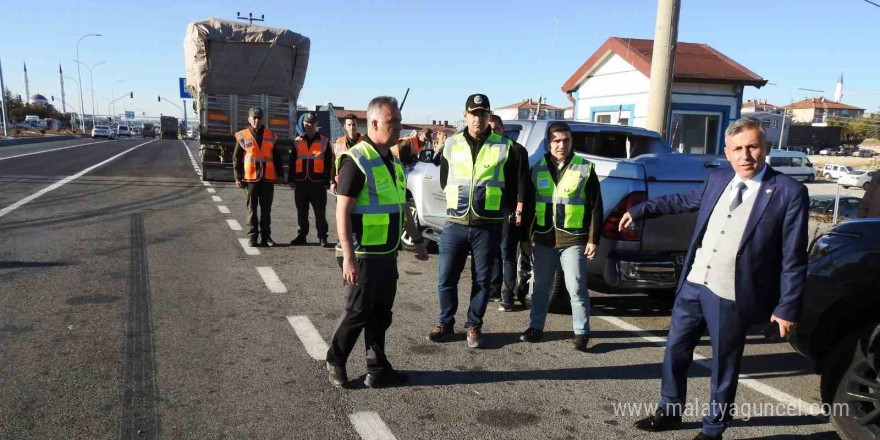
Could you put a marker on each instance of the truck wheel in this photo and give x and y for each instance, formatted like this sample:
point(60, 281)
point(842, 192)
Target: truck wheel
point(856, 409)
point(560, 303)
point(827, 176)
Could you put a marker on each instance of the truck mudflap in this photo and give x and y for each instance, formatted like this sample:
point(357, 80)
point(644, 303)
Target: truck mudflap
point(651, 270)
point(217, 171)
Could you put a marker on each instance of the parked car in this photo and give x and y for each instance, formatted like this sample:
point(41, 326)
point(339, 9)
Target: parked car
point(864, 152)
point(834, 171)
point(839, 327)
point(823, 204)
point(861, 179)
point(123, 130)
point(828, 152)
point(792, 163)
point(633, 164)
point(103, 131)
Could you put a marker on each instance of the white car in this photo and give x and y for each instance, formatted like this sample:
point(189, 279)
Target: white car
point(792, 163)
point(103, 131)
point(861, 179)
point(827, 152)
point(834, 171)
point(123, 130)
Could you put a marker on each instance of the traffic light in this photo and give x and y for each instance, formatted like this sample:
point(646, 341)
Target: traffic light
point(132, 94)
point(109, 118)
point(159, 99)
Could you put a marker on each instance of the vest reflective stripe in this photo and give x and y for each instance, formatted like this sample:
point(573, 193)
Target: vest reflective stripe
point(382, 196)
point(566, 200)
point(258, 163)
point(310, 160)
point(476, 185)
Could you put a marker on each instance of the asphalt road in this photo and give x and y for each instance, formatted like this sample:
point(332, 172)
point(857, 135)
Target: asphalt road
point(129, 309)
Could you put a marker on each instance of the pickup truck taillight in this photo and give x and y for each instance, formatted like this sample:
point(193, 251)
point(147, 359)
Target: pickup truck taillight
point(609, 229)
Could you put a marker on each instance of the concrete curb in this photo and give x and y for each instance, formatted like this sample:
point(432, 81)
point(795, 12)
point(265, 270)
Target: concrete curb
point(36, 140)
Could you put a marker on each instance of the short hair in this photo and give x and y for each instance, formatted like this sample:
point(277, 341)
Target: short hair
point(376, 105)
point(497, 120)
point(746, 123)
point(558, 127)
point(351, 116)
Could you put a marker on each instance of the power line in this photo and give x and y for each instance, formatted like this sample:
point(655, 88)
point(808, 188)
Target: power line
point(869, 1)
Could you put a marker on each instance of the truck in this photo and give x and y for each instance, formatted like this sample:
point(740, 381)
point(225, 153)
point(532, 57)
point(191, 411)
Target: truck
point(633, 164)
point(148, 130)
point(216, 52)
point(168, 127)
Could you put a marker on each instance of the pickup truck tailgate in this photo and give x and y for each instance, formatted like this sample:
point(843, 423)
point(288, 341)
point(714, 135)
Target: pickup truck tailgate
point(672, 174)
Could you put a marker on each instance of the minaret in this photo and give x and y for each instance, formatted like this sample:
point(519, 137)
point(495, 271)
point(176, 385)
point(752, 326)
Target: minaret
point(61, 80)
point(27, 87)
point(838, 91)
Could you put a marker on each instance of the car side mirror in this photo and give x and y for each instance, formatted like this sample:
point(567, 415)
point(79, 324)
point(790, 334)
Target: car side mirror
point(426, 156)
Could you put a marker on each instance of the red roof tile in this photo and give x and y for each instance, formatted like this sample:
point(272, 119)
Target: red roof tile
point(821, 102)
point(530, 105)
point(693, 63)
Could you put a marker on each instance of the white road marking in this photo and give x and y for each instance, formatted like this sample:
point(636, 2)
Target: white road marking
point(804, 407)
point(206, 183)
point(54, 149)
point(224, 209)
point(216, 198)
point(192, 159)
point(212, 190)
point(233, 224)
point(271, 279)
point(370, 426)
point(65, 181)
point(309, 336)
point(248, 249)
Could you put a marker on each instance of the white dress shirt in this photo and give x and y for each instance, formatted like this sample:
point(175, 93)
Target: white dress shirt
point(752, 184)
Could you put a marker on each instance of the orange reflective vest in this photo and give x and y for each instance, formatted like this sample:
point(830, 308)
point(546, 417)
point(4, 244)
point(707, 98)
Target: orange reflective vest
point(310, 160)
point(341, 147)
point(258, 163)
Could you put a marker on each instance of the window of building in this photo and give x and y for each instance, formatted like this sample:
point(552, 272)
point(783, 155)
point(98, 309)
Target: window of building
point(774, 124)
point(603, 119)
point(623, 121)
point(695, 132)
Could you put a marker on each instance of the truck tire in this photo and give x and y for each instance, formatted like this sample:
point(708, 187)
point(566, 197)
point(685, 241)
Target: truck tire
point(405, 240)
point(856, 365)
point(560, 303)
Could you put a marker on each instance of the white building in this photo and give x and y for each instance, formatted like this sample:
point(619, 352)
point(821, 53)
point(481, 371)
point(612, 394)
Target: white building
point(773, 126)
point(612, 87)
point(530, 109)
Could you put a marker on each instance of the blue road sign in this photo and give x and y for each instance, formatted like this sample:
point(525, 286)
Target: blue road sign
point(184, 90)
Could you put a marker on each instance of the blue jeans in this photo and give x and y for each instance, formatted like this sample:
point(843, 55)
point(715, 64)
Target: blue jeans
point(574, 266)
point(457, 241)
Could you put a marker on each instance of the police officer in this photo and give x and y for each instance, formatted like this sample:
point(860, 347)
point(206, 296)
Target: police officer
point(312, 170)
point(478, 170)
point(256, 165)
point(567, 210)
point(370, 212)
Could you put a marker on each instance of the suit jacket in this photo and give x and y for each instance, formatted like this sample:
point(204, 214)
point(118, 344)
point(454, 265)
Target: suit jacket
point(771, 264)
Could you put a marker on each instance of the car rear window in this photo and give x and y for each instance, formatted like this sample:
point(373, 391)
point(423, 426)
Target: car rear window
point(101, 127)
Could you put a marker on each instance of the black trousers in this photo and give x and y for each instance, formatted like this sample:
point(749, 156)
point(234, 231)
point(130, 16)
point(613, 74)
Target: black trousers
point(307, 193)
point(260, 194)
point(368, 308)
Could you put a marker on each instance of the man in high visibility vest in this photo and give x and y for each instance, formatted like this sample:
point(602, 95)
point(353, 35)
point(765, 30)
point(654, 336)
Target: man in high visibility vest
point(351, 138)
point(567, 214)
point(408, 148)
point(312, 172)
point(479, 172)
point(256, 165)
point(370, 215)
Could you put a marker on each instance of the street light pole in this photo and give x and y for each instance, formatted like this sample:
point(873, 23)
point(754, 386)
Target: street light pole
point(113, 93)
point(79, 75)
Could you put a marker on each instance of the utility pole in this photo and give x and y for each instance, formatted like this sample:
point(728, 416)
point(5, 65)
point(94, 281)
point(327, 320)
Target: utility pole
point(3, 102)
point(250, 18)
point(663, 65)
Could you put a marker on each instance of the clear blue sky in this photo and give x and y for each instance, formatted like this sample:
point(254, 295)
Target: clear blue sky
point(442, 50)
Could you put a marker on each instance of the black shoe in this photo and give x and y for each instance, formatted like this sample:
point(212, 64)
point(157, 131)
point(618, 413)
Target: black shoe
point(658, 422)
point(522, 292)
point(268, 242)
point(702, 436)
point(324, 243)
point(252, 241)
point(388, 378)
point(440, 333)
point(580, 342)
point(337, 376)
point(495, 294)
point(505, 306)
point(299, 240)
point(531, 335)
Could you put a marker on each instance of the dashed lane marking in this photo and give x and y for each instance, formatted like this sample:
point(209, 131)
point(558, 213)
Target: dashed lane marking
point(271, 279)
point(309, 336)
point(65, 181)
point(216, 198)
point(248, 249)
point(370, 426)
point(212, 190)
point(233, 224)
point(192, 159)
point(224, 209)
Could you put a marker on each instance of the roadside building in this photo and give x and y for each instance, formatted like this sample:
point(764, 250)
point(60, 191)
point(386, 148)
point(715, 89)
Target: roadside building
point(707, 91)
point(773, 125)
point(818, 111)
point(530, 109)
point(758, 106)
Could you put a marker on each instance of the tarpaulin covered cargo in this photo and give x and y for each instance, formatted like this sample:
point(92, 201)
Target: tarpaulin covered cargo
point(228, 57)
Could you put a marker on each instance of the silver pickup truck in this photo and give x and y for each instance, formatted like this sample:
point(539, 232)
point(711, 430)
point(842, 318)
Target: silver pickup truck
point(632, 164)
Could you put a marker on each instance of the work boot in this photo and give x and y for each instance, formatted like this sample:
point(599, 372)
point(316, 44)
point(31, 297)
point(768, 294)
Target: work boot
point(337, 376)
point(298, 241)
point(474, 336)
point(440, 333)
point(531, 335)
point(268, 242)
point(580, 342)
point(385, 379)
point(324, 243)
point(252, 241)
